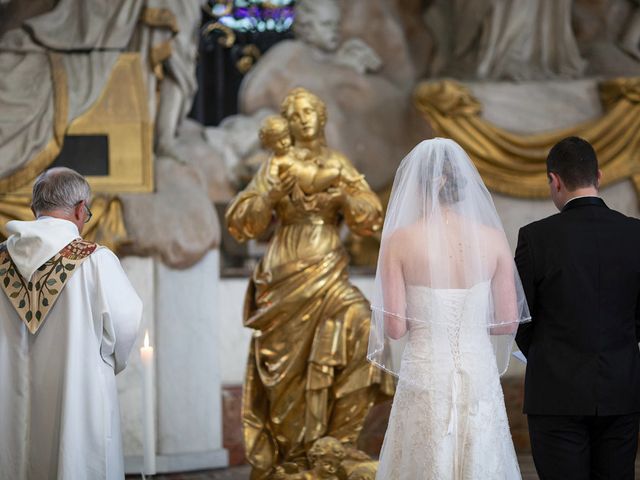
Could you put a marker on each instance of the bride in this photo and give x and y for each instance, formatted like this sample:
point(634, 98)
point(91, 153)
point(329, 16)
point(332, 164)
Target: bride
point(446, 307)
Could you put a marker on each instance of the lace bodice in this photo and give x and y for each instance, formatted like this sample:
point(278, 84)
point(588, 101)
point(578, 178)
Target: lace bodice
point(447, 305)
point(448, 333)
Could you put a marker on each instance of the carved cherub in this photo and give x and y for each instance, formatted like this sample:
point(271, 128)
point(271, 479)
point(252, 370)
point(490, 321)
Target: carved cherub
point(325, 457)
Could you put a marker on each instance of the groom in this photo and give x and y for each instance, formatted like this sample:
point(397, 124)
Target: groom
point(581, 274)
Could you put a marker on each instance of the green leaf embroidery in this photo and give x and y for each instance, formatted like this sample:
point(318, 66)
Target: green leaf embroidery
point(45, 302)
point(38, 315)
point(16, 284)
point(6, 282)
point(22, 304)
point(53, 291)
point(28, 316)
point(51, 281)
point(58, 268)
point(3, 271)
point(69, 266)
point(14, 295)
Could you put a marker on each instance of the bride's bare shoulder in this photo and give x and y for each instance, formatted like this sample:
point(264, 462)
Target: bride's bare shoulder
point(495, 238)
point(407, 235)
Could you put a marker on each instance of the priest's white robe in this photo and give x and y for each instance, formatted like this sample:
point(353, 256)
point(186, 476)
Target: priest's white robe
point(59, 416)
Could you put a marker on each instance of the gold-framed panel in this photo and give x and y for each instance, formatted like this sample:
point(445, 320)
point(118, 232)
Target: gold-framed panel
point(122, 114)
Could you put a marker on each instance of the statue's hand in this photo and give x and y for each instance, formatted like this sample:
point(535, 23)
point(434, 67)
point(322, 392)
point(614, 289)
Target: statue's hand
point(333, 194)
point(280, 188)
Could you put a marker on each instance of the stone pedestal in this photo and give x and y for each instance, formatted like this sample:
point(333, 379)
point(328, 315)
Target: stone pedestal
point(181, 315)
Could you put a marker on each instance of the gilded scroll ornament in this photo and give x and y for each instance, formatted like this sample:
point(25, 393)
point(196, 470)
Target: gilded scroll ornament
point(250, 55)
point(229, 37)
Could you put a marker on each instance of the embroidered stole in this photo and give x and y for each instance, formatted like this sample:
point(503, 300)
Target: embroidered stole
point(33, 299)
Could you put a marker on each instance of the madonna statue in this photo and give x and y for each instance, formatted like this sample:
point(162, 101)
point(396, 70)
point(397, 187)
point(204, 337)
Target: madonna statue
point(307, 373)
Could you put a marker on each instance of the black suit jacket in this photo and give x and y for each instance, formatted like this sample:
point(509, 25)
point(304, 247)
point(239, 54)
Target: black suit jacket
point(580, 270)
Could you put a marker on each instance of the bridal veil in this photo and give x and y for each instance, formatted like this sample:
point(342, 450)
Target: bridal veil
point(442, 234)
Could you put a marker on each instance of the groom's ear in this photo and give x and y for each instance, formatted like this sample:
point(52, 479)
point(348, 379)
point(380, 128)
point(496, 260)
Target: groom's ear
point(599, 179)
point(555, 182)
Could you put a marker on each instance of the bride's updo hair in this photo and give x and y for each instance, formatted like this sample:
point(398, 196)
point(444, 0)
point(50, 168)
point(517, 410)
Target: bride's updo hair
point(452, 191)
point(437, 167)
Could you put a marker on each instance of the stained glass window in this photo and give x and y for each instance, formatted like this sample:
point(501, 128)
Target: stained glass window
point(254, 15)
point(235, 34)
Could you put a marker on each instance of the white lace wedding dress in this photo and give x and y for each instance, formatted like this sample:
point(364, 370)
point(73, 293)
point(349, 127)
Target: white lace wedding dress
point(448, 419)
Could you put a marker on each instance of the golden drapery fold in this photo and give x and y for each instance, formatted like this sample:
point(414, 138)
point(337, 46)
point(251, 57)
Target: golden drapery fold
point(307, 374)
point(106, 226)
point(515, 164)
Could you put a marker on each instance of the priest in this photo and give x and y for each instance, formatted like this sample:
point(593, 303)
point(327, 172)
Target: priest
point(68, 320)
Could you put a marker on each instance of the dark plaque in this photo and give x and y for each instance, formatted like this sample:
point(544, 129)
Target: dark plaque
point(86, 154)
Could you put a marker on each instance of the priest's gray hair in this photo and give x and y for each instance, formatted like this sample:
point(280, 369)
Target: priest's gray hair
point(59, 188)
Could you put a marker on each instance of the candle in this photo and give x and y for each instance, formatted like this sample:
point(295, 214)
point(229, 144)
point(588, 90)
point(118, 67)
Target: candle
point(148, 408)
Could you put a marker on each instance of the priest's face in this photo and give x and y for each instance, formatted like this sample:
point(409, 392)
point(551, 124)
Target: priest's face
point(304, 120)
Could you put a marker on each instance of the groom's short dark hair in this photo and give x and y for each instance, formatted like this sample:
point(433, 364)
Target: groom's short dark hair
point(574, 161)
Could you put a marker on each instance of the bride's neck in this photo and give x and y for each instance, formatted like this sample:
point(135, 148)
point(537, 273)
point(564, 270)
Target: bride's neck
point(445, 212)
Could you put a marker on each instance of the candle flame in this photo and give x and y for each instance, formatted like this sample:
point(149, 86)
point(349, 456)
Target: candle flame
point(146, 339)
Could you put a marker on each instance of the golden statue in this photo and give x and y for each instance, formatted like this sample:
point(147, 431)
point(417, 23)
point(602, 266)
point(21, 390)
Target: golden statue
point(307, 374)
